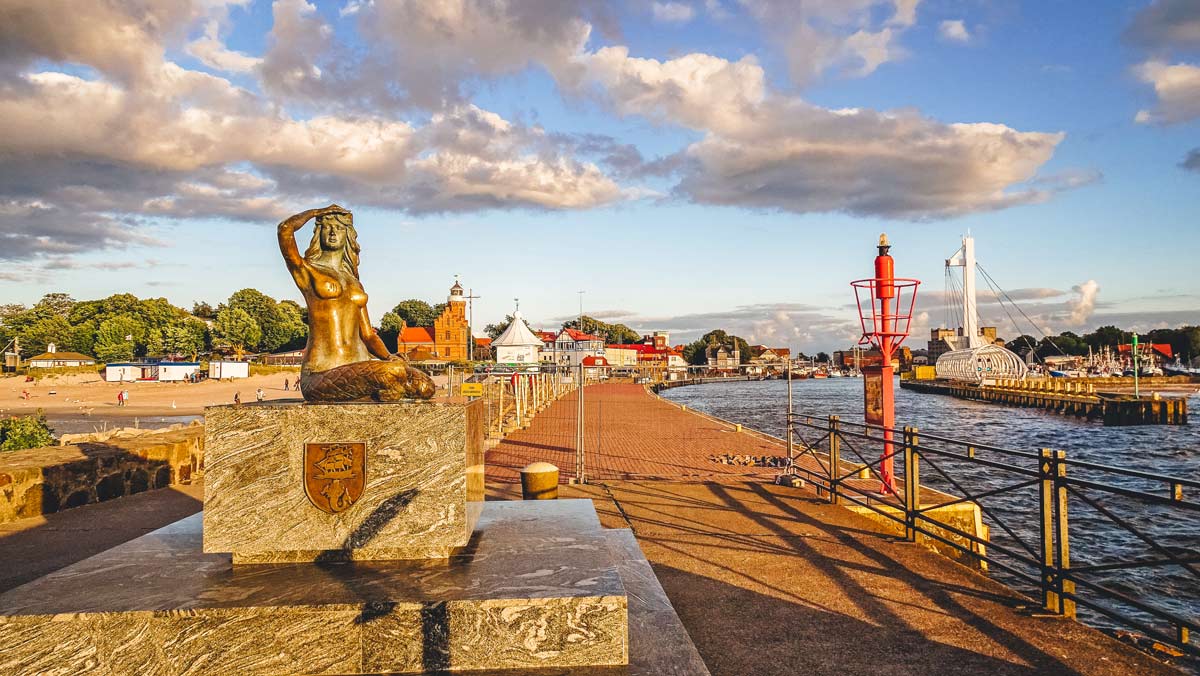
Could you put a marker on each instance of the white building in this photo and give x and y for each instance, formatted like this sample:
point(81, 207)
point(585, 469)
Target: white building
point(52, 358)
point(518, 345)
point(572, 346)
point(228, 369)
point(177, 370)
point(126, 372)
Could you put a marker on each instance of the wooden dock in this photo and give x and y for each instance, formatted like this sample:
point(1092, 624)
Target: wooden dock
point(1067, 396)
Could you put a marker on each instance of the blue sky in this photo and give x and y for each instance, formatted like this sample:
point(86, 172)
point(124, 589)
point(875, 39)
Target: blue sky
point(690, 165)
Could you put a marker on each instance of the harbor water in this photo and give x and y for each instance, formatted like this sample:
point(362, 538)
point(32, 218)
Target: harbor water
point(1169, 450)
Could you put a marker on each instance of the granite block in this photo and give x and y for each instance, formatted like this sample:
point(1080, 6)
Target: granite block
point(536, 588)
point(411, 485)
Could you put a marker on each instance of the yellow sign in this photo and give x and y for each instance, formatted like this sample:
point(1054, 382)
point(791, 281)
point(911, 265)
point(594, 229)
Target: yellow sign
point(472, 389)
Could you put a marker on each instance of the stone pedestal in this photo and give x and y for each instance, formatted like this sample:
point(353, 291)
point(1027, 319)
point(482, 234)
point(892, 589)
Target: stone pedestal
point(537, 588)
point(320, 482)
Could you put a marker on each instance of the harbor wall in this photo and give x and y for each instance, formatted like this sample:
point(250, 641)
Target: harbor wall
point(39, 481)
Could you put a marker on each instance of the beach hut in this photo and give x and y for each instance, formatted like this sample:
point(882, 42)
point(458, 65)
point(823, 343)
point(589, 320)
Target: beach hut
point(228, 369)
point(177, 370)
point(125, 372)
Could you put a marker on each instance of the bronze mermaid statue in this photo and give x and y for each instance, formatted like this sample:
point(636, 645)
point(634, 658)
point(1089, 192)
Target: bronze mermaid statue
point(338, 364)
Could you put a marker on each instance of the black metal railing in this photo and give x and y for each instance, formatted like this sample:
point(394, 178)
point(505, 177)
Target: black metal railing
point(1030, 500)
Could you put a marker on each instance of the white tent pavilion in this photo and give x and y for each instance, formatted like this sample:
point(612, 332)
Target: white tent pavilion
point(517, 345)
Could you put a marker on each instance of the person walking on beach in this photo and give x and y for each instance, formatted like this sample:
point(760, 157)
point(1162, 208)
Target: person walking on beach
point(124, 397)
point(237, 398)
point(121, 398)
point(285, 384)
point(259, 394)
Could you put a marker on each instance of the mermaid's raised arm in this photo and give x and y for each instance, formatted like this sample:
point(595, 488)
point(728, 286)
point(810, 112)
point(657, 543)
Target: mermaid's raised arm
point(287, 242)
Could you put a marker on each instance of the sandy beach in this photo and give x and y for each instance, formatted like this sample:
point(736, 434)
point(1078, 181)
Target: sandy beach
point(85, 403)
point(78, 403)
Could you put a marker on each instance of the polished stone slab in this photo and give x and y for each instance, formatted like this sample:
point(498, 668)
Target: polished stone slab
point(537, 587)
point(659, 645)
point(413, 491)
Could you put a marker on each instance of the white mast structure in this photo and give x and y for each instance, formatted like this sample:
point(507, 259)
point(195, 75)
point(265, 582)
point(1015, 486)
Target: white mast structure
point(971, 358)
point(965, 258)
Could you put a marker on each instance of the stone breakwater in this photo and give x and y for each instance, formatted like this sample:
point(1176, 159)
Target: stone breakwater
point(45, 480)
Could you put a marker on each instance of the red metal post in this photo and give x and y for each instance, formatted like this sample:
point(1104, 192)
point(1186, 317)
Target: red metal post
point(885, 292)
point(890, 314)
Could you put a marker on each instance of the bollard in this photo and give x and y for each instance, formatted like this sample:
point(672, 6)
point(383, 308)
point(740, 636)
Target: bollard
point(539, 481)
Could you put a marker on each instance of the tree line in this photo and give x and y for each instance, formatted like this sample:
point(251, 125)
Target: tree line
point(1184, 341)
point(122, 327)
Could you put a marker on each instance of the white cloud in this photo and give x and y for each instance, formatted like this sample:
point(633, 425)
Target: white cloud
point(672, 12)
point(1084, 306)
point(954, 31)
point(849, 37)
point(162, 141)
point(212, 52)
point(765, 150)
point(1178, 89)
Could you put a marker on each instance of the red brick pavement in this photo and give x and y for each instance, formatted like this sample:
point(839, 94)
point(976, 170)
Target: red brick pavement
point(631, 434)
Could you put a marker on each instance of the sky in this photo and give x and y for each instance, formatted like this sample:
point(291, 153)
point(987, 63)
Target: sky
point(688, 164)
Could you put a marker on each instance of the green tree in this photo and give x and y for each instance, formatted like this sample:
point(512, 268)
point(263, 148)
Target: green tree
point(295, 319)
point(1106, 336)
point(416, 312)
point(611, 333)
point(117, 337)
point(237, 329)
point(696, 353)
point(203, 310)
point(37, 336)
point(493, 331)
point(183, 340)
point(8, 313)
point(1022, 344)
point(279, 325)
point(30, 431)
point(390, 326)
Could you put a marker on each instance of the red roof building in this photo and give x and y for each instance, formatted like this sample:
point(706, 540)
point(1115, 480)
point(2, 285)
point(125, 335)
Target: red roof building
point(1162, 348)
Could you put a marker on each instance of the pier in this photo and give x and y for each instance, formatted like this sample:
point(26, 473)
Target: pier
point(766, 579)
point(1080, 397)
point(842, 591)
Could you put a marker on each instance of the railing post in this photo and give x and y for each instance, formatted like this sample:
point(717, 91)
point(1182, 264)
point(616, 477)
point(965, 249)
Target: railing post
point(1046, 467)
point(1056, 549)
point(1063, 542)
point(912, 482)
point(835, 451)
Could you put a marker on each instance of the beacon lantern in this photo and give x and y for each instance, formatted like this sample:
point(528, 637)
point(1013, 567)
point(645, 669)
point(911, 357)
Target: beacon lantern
point(885, 308)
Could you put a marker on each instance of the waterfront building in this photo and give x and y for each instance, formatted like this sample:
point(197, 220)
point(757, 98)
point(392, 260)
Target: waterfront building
point(449, 337)
point(52, 358)
point(768, 359)
point(721, 358)
point(517, 345)
point(571, 346)
point(622, 356)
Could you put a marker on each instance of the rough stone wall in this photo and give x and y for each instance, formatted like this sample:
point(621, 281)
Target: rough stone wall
point(45, 480)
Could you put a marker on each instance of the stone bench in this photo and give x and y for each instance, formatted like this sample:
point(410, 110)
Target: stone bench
point(41, 481)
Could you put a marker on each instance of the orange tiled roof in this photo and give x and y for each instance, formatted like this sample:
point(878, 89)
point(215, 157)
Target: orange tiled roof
point(415, 334)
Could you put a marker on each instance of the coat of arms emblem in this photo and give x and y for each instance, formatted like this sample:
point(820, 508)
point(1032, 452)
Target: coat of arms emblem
point(334, 474)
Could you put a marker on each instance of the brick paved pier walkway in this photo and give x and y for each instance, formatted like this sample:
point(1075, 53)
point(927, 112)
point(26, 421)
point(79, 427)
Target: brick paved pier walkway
point(631, 434)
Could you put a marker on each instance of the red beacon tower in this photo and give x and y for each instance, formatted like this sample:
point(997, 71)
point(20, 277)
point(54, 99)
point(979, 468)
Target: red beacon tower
point(885, 308)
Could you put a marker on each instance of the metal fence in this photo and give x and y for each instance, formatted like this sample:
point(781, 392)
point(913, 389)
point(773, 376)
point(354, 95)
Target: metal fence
point(1079, 533)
